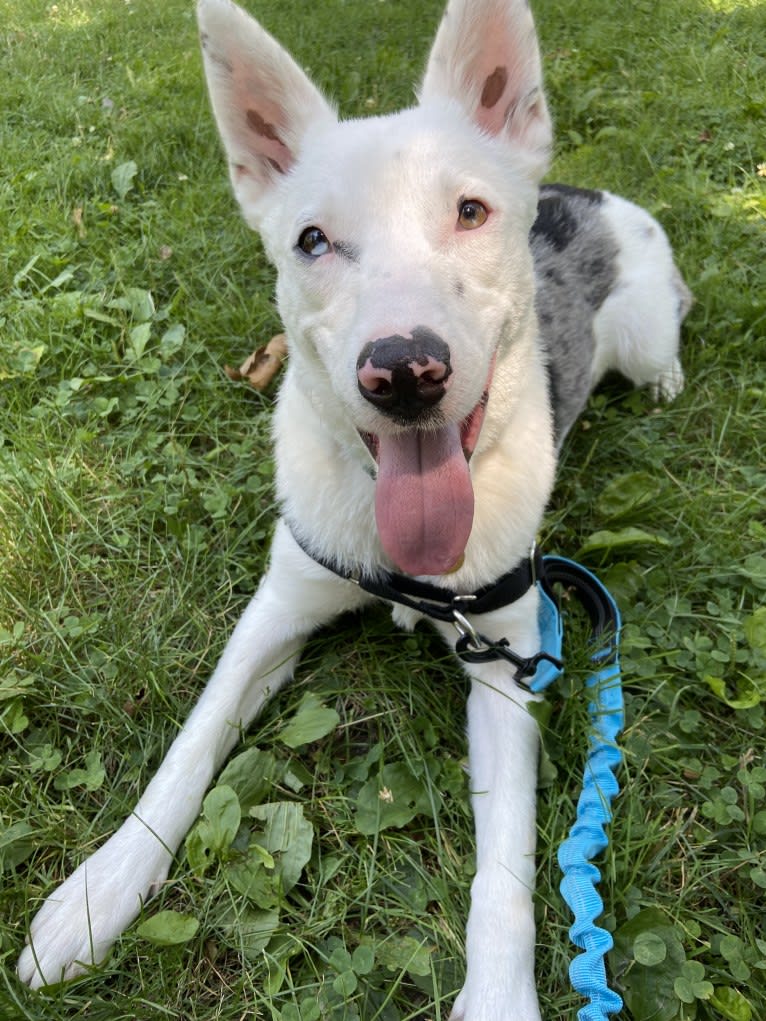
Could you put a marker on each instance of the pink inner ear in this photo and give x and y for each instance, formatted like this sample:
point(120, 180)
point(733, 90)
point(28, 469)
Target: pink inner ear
point(261, 124)
point(497, 76)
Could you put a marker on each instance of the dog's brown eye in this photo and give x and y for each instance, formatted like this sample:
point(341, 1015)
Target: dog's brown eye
point(472, 214)
point(313, 242)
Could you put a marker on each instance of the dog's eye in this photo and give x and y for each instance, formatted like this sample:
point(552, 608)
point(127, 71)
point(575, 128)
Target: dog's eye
point(472, 214)
point(313, 242)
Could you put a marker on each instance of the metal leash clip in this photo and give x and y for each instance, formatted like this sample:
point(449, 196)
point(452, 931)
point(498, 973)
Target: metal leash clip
point(474, 647)
point(466, 630)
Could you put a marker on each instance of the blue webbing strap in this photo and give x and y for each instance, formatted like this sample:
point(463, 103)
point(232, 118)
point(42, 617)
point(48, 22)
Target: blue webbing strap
point(587, 837)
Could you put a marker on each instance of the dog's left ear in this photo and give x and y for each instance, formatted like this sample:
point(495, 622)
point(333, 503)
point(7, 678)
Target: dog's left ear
point(486, 57)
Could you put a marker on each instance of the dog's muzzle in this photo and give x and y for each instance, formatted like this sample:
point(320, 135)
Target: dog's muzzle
point(423, 491)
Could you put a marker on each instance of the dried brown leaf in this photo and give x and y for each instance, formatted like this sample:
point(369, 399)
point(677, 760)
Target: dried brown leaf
point(262, 365)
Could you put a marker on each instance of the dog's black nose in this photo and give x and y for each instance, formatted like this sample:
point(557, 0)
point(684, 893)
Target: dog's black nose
point(403, 376)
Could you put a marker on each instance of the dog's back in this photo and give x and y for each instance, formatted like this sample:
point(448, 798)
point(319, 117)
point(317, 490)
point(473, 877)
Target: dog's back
point(609, 297)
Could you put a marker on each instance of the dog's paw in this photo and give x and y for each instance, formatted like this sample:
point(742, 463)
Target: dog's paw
point(490, 1010)
point(669, 384)
point(80, 921)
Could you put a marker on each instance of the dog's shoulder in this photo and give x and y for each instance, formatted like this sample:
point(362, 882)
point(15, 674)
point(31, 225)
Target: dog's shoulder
point(563, 214)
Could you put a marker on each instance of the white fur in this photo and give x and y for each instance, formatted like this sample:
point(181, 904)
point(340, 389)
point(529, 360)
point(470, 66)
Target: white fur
point(636, 328)
point(391, 186)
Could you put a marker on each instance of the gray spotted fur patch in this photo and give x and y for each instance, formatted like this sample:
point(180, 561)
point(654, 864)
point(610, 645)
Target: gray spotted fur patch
point(575, 269)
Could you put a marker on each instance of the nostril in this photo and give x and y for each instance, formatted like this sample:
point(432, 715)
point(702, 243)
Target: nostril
point(432, 375)
point(374, 380)
point(379, 387)
point(428, 387)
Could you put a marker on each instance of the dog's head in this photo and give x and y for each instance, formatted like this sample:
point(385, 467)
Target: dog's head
point(404, 275)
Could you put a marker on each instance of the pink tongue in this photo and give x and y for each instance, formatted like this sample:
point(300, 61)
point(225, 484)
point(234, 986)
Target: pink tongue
point(423, 500)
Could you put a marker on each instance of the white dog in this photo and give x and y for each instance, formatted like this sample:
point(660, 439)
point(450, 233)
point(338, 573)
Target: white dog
point(446, 319)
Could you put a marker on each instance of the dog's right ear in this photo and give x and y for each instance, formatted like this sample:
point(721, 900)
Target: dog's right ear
point(262, 101)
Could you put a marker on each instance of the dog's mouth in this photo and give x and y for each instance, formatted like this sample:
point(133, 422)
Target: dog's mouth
point(423, 493)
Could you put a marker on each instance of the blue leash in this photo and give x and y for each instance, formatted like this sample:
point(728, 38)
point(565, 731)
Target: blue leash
point(588, 837)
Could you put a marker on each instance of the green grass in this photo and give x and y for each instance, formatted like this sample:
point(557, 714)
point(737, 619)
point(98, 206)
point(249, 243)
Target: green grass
point(136, 507)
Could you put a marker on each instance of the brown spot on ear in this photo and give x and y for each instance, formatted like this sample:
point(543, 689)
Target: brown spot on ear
point(275, 166)
point(494, 87)
point(261, 127)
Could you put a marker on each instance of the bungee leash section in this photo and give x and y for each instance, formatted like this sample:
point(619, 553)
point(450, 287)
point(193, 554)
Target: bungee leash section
point(587, 837)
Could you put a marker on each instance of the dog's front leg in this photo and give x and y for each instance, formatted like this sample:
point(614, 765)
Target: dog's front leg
point(500, 935)
point(80, 921)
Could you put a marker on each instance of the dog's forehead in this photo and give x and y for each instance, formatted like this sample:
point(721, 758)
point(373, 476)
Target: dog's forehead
point(421, 159)
point(407, 147)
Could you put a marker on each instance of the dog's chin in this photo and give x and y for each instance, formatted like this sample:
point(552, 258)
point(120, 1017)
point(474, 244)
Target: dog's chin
point(423, 493)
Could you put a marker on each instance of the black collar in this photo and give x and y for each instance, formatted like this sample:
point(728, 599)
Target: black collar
point(437, 601)
point(445, 604)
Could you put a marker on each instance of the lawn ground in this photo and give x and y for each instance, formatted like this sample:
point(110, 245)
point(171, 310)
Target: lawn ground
point(136, 506)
